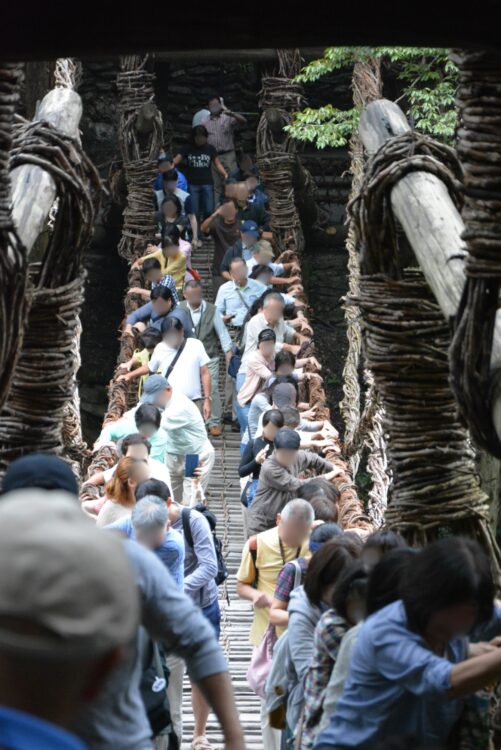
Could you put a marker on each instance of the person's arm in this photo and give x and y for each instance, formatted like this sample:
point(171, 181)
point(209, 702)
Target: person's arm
point(96, 479)
point(140, 315)
point(194, 227)
point(259, 404)
point(225, 264)
point(171, 617)
point(206, 390)
point(283, 280)
point(145, 293)
point(310, 460)
point(240, 119)
point(279, 616)
point(279, 478)
point(206, 224)
point(205, 553)
point(248, 463)
point(246, 576)
point(473, 674)
point(153, 252)
point(255, 365)
point(222, 334)
point(300, 642)
point(177, 160)
point(220, 168)
point(133, 374)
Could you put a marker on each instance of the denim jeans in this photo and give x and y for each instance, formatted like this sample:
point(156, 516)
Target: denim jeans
point(242, 411)
point(202, 200)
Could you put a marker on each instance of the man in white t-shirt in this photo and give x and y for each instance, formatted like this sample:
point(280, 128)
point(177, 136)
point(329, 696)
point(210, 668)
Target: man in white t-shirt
point(184, 363)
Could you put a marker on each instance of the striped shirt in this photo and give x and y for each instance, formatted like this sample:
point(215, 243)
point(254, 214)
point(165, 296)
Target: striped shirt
point(220, 130)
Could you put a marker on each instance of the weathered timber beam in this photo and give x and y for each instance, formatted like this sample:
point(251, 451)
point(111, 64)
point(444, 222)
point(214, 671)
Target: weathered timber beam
point(431, 222)
point(33, 190)
point(429, 218)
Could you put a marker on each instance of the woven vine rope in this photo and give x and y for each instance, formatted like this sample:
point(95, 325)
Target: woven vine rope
point(406, 342)
point(479, 147)
point(14, 296)
point(43, 380)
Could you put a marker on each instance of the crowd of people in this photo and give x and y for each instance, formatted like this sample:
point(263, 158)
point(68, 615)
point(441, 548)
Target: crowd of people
point(104, 605)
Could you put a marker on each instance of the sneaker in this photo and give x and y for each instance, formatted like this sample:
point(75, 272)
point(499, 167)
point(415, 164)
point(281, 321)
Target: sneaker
point(215, 431)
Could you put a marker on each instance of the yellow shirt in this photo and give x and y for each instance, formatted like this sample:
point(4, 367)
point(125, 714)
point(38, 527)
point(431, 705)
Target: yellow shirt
point(175, 266)
point(143, 357)
point(269, 561)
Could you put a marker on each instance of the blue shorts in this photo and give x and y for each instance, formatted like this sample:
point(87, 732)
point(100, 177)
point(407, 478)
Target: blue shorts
point(213, 614)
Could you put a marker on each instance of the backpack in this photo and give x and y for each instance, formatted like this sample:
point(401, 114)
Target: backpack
point(222, 570)
point(153, 687)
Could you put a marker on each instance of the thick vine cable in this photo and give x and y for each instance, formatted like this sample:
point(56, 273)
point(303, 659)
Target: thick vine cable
point(14, 290)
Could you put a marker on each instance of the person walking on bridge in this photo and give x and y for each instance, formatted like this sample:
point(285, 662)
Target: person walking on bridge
point(210, 329)
point(220, 125)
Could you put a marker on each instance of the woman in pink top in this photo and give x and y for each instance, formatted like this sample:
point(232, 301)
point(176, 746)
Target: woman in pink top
point(260, 366)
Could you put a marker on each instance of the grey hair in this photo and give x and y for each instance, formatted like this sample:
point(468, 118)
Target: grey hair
point(273, 296)
point(298, 510)
point(149, 514)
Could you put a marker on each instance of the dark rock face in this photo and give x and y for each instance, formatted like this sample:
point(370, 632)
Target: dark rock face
point(181, 90)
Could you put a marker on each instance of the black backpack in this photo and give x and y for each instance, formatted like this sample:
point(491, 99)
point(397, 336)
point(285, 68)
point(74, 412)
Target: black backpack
point(153, 686)
point(222, 570)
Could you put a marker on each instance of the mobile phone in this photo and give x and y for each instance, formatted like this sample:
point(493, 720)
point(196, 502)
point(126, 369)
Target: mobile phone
point(191, 463)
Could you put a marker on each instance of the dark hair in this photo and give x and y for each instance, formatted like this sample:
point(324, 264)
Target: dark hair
point(352, 582)
point(147, 413)
point(259, 269)
point(172, 323)
point(319, 486)
point(385, 578)
point(175, 200)
point(385, 541)
point(290, 310)
point(284, 358)
point(324, 509)
point(443, 574)
point(199, 130)
point(291, 416)
point(171, 235)
point(273, 416)
point(212, 97)
point(280, 379)
point(325, 532)
point(151, 264)
point(267, 334)
point(152, 487)
point(193, 284)
point(162, 292)
point(150, 337)
point(327, 564)
point(236, 260)
point(134, 439)
point(170, 176)
point(288, 439)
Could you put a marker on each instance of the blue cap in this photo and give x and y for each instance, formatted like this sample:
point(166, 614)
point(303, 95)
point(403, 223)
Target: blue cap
point(153, 385)
point(250, 227)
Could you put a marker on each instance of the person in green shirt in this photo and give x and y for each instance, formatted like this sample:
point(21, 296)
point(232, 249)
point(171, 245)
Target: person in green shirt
point(145, 420)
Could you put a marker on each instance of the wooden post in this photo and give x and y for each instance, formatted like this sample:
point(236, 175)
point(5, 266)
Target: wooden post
point(33, 190)
point(431, 222)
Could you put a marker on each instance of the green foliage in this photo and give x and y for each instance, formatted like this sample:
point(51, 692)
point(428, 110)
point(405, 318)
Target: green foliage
point(428, 79)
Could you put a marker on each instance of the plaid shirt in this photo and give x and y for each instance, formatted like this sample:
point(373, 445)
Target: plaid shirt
point(286, 578)
point(169, 282)
point(326, 641)
point(220, 130)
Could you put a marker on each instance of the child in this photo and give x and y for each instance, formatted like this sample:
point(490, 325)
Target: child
point(147, 341)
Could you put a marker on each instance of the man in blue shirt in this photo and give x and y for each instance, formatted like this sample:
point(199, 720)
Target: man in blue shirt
point(161, 307)
point(235, 297)
point(149, 525)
